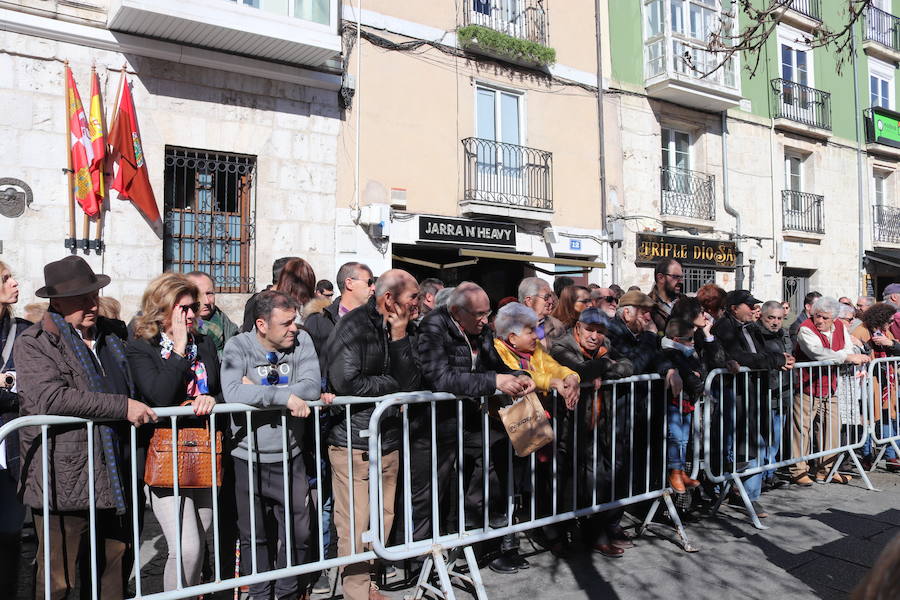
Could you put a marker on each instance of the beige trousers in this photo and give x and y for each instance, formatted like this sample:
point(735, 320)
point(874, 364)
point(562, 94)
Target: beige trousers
point(809, 411)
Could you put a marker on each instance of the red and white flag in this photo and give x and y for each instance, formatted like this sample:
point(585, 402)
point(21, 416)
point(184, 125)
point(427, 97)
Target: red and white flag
point(132, 180)
point(81, 149)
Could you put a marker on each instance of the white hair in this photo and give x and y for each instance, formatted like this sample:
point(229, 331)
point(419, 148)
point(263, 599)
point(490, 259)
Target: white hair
point(826, 305)
point(531, 286)
point(513, 318)
point(846, 311)
point(442, 296)
point(461, 296)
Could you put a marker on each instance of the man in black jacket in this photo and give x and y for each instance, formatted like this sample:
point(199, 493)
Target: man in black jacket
point(456, 350)
point(743, 343)
point(776, 340)
point(370, 354)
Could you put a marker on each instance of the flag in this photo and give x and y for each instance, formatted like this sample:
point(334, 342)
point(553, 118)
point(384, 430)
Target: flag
point(132, 180)
point(81, 149)
point(96, 124)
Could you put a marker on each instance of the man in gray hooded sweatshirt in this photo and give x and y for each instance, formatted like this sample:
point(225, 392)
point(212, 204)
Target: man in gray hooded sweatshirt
point(273, 366)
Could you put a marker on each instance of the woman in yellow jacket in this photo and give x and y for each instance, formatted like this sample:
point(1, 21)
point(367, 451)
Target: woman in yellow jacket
point(517, 344)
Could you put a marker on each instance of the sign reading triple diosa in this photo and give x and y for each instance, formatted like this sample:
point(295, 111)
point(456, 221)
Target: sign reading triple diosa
point(718, 254)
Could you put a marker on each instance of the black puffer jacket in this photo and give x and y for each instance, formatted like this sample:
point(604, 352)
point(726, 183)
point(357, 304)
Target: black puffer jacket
point(777, 342)
point(642, 349)
point(728, 331)
point(362, 361)
point(612, 365)
point(319, 325)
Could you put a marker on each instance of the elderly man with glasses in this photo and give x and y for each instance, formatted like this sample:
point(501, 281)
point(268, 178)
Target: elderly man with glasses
point(457, 353)
point(668, 279)
point(536, 294)
point(605, 300)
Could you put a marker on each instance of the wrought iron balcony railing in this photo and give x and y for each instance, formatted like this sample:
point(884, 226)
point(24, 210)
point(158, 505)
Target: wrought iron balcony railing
point(803, 212)
point(687, 193)
point(882, 27)
point(507, 174)
point(810, 8)
point(887, 224)
point(801, 104)
point(523, 19)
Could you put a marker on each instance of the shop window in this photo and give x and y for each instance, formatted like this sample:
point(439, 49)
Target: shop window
point(208, 216)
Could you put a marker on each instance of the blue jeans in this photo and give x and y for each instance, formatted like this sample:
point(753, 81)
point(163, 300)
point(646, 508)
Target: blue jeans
point(678, 434)
point(770, 454)
point(888, 429)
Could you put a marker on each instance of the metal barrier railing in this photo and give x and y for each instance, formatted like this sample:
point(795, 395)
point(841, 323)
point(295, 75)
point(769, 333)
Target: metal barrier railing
point(883, 409)
point(751, 423)
point(633, 436)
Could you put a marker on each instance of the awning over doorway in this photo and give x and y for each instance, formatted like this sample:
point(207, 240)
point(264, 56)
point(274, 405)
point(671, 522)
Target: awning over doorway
point(884, 257)
point(565, 262)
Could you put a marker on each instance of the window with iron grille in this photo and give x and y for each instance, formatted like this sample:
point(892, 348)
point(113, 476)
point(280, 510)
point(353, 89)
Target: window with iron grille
point(695, 278)
point(209, 216)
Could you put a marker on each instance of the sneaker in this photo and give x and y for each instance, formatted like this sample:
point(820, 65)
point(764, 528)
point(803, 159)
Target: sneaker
point(892, 464)
point(390, 571)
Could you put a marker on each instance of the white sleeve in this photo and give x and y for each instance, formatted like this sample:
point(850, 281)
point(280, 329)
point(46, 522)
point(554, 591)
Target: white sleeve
point(811, 345)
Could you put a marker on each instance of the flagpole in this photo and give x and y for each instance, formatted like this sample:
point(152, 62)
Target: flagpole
point(70, 242)
point(109, 155)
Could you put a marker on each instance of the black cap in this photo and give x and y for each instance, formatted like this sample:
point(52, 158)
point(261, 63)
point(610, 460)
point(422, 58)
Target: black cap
point(741, 297)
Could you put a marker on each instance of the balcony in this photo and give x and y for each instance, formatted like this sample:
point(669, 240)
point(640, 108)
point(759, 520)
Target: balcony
point(688, 194)
point(801, 109)
point(803, 212)
point(802, 14)
point(887, 224)
point(299, 32)
point(506, 180)
point(523, 19)
point(881, 35)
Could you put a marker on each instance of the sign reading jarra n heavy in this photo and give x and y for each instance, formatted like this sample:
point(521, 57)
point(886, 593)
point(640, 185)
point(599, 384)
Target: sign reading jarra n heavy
point(441, 229)
point(719, 254)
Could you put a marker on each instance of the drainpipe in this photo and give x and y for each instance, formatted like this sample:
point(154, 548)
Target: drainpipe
point(602, 135)
point(859, 172)
point(739, 273)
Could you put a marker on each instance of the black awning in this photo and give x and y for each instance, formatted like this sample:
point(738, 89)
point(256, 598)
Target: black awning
point(890, 258)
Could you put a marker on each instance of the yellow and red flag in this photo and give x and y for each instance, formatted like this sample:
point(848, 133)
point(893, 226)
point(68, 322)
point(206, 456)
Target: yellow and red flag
point(97, 127)
point(132, 180)
point(82, 149)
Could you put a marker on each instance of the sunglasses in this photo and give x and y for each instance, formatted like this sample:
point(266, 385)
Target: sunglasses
point(369, 282)
point(272, 377)
point(194, 307)
point(609, 299)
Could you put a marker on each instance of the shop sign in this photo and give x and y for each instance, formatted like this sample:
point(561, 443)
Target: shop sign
point(651, 248)
point(884, 127)
point(465, 231)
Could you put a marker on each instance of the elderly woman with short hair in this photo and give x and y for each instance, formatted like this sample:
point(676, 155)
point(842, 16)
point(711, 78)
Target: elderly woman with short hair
point(821, 337)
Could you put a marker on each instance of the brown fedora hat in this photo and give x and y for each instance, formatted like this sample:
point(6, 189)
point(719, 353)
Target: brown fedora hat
point(71, 276)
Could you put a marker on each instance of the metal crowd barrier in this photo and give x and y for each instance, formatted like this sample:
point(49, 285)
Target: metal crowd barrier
point(634, 423)
point(751, 428)
point(883, 409)
point(222, 581)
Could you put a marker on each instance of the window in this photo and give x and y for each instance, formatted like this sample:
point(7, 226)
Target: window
point(881, 84)
point(695, 278)
point(676, 149)
point(499, 119)
point(880, 181)
point(797, 66)
point(317, 11)
point(208, 224)
point(793, 173)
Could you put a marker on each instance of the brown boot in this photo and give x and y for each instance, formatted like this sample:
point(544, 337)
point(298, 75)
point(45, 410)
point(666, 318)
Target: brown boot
point(688, 482)
point(676, 481)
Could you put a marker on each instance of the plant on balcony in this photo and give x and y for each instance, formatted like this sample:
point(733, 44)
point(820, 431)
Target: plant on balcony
point(505, 47)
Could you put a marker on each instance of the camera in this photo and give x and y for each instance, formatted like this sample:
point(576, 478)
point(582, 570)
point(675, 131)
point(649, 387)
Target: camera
point(9, 379)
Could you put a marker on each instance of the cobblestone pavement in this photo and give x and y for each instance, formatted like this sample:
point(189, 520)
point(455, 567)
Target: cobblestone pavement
point(821, 542)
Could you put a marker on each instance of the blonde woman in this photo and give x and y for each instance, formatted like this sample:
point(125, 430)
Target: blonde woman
point(12, 513)
point(170, 363)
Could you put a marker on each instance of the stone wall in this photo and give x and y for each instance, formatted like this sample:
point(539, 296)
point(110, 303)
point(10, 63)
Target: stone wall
point(290, 129)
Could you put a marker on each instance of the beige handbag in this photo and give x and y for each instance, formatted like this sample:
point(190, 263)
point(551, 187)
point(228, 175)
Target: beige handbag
point(526, 424)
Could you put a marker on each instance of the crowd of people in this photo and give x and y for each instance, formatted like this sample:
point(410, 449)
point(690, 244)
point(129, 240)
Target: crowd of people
point(303, 340)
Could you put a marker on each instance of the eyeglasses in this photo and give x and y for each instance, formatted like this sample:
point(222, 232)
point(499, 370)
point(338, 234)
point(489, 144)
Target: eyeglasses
point(546, 297)
point(328, 294)
point(610, 299)
point(194, 307)
point(675, 277)
point(479, 316)
point(369, 282)
point(272, 377)
point(583, 301)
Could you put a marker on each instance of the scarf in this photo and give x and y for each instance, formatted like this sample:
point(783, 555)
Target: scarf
point(213, 328)
point(199, 382)
point(522, 358)
point(109, 440)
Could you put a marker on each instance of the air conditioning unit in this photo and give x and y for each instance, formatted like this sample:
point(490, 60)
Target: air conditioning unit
point(377, 219)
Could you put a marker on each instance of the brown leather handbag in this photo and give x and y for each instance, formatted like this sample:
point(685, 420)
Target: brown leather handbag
point(194, 464)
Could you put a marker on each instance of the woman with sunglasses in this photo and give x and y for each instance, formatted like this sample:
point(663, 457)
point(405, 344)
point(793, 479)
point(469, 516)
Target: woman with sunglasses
point(171, 363)
point(572, 300)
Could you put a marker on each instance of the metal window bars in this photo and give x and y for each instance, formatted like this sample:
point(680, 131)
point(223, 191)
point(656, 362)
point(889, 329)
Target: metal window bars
point(810, 8)
point(887, 224)
point(507, 174)
point(801, 103)
point(882, 27)
point(524, 19)
point(803, 212)
point(209, 225)
point(687, 193)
